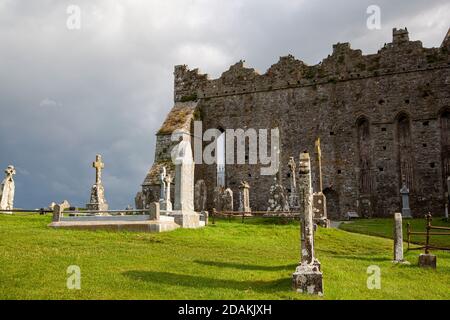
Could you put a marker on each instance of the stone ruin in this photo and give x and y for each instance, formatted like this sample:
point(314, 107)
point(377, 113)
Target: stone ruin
point(7, 189)
point(361, 105)
point(244, 197)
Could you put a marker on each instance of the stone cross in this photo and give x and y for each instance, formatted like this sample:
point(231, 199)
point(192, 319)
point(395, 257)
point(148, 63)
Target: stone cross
point(97, 201)
point(319, 159)
point(162, 180)
point(404, 191)
point(398, 238)
point(168, 204)
point(98, 165)
point(7, 189)
point(244, 197)
point(307, 277)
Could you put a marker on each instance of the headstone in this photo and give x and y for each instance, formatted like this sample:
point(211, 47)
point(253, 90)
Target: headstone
point(204, 216)
point(307, 277)
point(139, 201)
point(278, 201)
point(227, 200)
point(166, 181)
point(293, 196)
point(98, 201)
point(404, 191)
point(398, 237)
point(244, 197)
point(223, 199)
point(7, 189)
point(200, 196)
point(58, 210)
point(57, 213)
point(154, 211)
point(320, 210)
point(351, 215)
point(184, 213)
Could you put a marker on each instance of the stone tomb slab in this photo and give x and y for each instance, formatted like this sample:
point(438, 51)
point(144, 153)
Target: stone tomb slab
point(140, 223)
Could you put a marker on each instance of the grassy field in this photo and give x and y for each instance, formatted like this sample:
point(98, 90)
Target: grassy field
point(385, 228)
point(230, 260)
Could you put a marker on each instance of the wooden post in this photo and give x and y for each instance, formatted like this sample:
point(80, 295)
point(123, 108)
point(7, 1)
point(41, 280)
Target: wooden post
point(408, 228)
point(214, 216)
point(427, 249)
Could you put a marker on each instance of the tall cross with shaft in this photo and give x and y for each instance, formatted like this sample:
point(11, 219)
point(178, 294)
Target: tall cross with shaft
point(98, 165)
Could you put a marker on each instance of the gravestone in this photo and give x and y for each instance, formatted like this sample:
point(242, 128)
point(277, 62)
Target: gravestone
point(320, 210)
point(307, 277)
point(98, 201)
point(183, 210)
point(406, 211)
point(200, 196)
point(398, 238)
point(278, 201)
point(139, 201)
point(58, 210)
point(244, 197)
point(427, 260)
point(165, 181)
point(154, 211)
point(7, 189)
point(223, 199)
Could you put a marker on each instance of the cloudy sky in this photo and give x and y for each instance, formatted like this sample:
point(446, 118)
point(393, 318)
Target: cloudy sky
point(66, 95)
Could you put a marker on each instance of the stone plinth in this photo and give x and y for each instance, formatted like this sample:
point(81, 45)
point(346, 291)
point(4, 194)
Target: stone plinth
point(185, 219)
point(308, 279)
point(427, 260)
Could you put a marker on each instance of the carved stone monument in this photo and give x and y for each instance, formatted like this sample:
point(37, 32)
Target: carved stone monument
point(166, 181)
point(278, 200)
point(404, 191)
point(307, 277)
point(200, 196)
point(244, 197)
point(398, 238)
point(183, 212)
point(98, 201)
point(7, 189)
point(223, 199)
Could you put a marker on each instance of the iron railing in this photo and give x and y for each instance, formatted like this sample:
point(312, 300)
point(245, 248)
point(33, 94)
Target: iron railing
point(254, 214)
point(428, 233)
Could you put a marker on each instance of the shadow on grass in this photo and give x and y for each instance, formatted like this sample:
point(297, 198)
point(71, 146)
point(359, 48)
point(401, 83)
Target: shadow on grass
point(241, 266)
point(185, 280)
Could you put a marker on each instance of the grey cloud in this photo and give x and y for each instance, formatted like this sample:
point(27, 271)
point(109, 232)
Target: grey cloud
point(68, 95)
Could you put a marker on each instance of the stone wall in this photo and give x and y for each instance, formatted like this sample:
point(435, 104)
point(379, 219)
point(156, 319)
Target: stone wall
point(401, 92)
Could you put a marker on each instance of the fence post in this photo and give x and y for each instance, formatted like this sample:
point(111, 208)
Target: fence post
point(243, 216)
point(408, 233)
point(214, 216)
point(427, 249)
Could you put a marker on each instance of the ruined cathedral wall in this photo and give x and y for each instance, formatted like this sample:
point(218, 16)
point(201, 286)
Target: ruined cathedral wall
point(402, 86)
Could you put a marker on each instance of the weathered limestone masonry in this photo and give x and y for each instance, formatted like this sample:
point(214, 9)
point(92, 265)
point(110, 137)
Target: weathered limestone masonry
point(379, 117)
point(97, 200)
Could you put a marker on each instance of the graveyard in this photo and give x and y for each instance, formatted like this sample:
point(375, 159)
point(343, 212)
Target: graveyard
point(228, 260)
point(135, 176)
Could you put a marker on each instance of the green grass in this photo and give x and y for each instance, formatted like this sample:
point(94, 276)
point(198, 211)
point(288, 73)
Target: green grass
point(385, 228)
point(230, 260)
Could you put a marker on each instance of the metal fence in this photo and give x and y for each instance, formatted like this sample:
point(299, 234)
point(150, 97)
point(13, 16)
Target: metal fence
point(288, 215)
point(428, 233)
